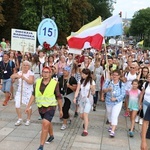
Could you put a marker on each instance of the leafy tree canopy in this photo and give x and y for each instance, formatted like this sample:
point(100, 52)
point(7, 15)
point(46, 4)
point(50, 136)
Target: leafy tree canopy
point(69, 15)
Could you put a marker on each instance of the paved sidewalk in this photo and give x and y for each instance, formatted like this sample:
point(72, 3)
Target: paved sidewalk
point(28, 137)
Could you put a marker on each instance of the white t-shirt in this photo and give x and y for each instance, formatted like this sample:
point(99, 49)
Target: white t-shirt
point(130, 78)
point(85, 89)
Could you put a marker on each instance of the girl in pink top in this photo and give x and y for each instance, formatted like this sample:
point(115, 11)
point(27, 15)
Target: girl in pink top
point(133, 96)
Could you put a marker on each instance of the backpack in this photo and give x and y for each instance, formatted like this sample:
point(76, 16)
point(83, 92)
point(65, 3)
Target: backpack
point(120, 83)
point(146, 85)
point(126, 74)
point(10, 64)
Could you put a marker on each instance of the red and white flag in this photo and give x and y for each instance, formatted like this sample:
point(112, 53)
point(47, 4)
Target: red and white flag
point(94, 36)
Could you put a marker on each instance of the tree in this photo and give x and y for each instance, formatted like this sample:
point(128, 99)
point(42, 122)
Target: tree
point(12, 17)
point(78, 14)
point(140, 25)
point(70, 15)
point(2, 20)
point(101, 8)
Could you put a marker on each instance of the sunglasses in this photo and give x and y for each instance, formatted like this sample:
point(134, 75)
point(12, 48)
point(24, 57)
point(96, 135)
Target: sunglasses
point(132, 67)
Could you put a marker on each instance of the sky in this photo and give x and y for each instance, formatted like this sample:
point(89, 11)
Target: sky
point(129, 7)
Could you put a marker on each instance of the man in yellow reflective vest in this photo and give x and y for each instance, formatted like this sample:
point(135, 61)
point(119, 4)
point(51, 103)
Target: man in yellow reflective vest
point(47, 96)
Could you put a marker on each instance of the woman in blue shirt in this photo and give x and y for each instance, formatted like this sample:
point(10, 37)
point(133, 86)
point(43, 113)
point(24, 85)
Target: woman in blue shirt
point(115, 92)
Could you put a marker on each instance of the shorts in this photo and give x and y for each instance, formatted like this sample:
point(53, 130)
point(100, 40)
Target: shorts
point(6, 87)
point(85, 106)
point(48, 115)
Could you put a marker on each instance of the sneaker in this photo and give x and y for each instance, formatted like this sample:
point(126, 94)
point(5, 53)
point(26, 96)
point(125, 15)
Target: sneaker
point(27, 123)
point(131, 134)
point(126, 114)
point(112, 134)
point(84, 133)
point(63, 127)
point(19, 122)
point(75, 114)
point(40, 148)
point(141, 121)
point(50, 139)
point(94, 108)
point(109, 129)
point(137, 119)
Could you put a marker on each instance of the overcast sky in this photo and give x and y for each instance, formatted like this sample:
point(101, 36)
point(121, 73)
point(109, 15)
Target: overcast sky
point(128, 7)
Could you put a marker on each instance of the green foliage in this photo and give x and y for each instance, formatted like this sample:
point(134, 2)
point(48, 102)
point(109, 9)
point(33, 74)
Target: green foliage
point(126, 31)
point(140, 25)
point(2, 19)
point(101, 8)
point(70, 15)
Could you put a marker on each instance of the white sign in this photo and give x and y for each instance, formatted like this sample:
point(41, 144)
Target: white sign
point(47, 32)
point(112, 41)
point(23, 40)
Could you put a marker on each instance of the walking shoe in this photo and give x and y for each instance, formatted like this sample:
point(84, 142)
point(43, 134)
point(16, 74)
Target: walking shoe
point(63, 127)
point(94, 108)
point(141, 121)
point(131, 134)
point(137, 119)
point(84, 133)
point(19, 122)
point(40, 148)
point(75, 114)
point(126, 114)
point(112, 134)
point(50, 139)
point(109, 129)
point(27, 123)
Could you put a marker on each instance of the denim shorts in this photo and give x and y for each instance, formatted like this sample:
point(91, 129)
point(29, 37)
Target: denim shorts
point(6, 85)
point(85, 106)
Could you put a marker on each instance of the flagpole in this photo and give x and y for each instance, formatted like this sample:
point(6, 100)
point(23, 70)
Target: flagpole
point(21, 78)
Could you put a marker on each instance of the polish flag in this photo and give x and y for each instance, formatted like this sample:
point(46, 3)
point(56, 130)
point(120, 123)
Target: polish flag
point(93, 36)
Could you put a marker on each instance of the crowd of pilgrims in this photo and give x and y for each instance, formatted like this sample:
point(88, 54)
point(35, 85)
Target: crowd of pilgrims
point(119, 77)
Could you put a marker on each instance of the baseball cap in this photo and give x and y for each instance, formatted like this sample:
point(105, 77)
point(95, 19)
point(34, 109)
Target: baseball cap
point(67, 68)
point(48, 68)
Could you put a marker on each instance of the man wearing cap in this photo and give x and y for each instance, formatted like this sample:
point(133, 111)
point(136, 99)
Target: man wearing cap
point(67, 86)
point(47, 96)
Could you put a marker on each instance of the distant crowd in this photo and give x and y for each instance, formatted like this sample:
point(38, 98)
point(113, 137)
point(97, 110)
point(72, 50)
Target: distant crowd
point(118, 76)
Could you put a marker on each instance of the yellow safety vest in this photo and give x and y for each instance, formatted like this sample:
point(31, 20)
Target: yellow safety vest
point(48, 97)
point(114, 67)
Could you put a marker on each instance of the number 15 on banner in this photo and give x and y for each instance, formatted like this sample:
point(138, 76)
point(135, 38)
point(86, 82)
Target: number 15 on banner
point(47, 32)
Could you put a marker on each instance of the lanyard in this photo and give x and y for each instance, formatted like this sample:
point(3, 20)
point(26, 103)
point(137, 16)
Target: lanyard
point(64, 86)
point(5, 66)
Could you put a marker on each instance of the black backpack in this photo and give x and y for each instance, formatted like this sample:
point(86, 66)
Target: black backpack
point(146, 85)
